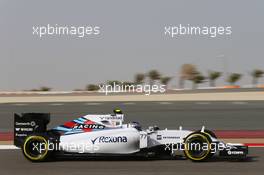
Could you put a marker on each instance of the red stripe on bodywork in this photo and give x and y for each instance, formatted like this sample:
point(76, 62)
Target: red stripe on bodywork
point(88, 129)
point(70, 124)
point(239, 134)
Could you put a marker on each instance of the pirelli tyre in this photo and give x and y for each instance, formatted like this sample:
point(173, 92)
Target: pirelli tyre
point(197, 147)
point(36, 149)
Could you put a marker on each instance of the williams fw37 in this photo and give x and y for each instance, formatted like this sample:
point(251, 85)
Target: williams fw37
point(106, 136)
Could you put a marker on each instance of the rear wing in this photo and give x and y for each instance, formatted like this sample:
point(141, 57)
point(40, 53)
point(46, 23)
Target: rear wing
point(28, 123)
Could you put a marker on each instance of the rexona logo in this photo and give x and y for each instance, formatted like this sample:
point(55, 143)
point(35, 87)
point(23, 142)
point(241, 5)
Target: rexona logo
point(105, 139)
point(89, 126)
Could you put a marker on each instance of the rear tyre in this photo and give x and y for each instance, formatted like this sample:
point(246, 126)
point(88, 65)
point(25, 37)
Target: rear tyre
point(197, 147)
point(36, 149)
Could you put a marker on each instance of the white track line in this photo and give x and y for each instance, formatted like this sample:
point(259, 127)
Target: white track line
point(19, 104)
point(92, 104)
point(239, 102)
point(203, 103)
point(56, 104)
point(165, 103)
point(8, 147)
point(129, 103)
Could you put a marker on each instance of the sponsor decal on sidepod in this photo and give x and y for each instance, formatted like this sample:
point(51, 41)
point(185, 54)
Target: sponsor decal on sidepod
point(105, 139)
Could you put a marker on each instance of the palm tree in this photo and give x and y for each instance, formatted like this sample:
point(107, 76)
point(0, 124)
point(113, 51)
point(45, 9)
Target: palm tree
point(213, 75)
point(256, 74)
point(139, 78)
point(197, 78)
point(187, 72)
point(165, 81)
point(153, 75)
point(92, 87)
point(45, 88)
point(233, 78)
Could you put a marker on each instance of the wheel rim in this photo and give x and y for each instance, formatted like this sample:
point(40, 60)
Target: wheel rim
point(197, 147)
point(35, 147)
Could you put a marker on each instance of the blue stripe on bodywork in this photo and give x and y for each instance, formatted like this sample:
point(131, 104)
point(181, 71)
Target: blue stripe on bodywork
point(61, 128)
point(78, 121)
point(74, 132)
point(81, 119)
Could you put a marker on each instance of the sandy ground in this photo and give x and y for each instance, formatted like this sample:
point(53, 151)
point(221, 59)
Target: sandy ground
point(226, 96)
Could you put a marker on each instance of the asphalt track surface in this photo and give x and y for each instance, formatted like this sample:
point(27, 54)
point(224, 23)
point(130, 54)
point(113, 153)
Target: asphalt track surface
point(13, 162)
point(229, 115)
point(240, 115)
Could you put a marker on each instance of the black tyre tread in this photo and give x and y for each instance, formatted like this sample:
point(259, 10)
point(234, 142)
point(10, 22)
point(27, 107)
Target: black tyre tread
point(48, 155)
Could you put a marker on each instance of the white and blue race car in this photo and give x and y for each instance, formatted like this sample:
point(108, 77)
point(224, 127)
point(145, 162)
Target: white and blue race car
point(93, 136)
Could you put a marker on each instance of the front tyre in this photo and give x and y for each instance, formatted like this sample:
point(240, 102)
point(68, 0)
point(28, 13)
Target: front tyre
point(208, 132)
point(197, 147)
point(35, 148)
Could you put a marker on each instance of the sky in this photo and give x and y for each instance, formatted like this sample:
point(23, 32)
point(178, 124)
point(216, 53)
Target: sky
point(131, 40)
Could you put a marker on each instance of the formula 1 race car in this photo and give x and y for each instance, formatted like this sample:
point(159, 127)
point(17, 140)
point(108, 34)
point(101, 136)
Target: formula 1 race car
point(106, 136)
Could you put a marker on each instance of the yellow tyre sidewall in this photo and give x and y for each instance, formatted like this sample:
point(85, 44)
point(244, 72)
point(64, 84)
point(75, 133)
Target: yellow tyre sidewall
point(41, 156)
point(204, 156)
